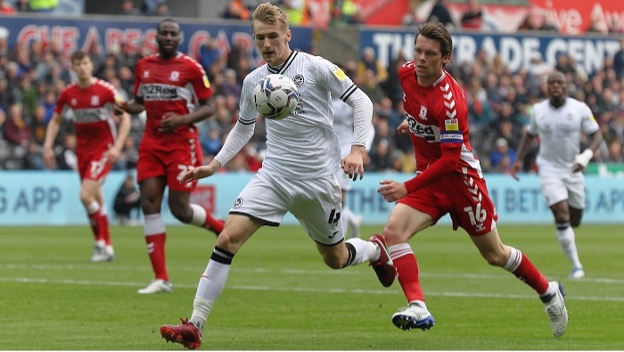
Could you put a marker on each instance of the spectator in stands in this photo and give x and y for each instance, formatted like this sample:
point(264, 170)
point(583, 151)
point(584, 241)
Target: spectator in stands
point(231, 84)
point(127, 8)
point(211, 57)
point(503, 157)
point(127, 201)
point(618, 61)
point(162, 10)
point(440, 13)
point(33, 160)
point(237, 10)
point(369, 61)
point(6, 9)
point(297, 11)
point(22, 5)
point(16, 129)
point(44, 6)
point(472, 18)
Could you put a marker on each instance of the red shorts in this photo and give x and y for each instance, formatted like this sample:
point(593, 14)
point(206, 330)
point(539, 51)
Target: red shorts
point(170, 160)
point(465, 198)
point(93, 166)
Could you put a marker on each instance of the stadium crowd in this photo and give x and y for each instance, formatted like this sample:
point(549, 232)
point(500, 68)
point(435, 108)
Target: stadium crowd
point(500, 101)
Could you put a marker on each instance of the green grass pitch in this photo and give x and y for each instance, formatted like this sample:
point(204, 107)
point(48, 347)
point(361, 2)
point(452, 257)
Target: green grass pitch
point(280, 296)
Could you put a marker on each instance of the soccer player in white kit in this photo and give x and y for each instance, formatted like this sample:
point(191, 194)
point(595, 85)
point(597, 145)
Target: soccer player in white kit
point(298, 172)
point(559, 122)
point(343, 127)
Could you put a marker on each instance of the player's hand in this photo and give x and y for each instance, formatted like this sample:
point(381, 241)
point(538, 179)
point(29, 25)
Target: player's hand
point(170, 121)
point(120, 107)
point(48, 157)
point(515, 168)
point(392, 191)
point(111, 155)
point(577, 167)
point(201, 172)
point(353, 164)
point(403, 127)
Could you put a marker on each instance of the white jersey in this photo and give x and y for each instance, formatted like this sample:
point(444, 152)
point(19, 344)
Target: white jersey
point(343, 127)
point(302, 145)
point(560, 130)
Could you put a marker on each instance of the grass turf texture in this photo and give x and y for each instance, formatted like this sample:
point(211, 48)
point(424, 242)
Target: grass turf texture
point(280, 296)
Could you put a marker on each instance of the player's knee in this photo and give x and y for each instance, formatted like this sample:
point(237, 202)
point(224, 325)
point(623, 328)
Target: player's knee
point(182, 214)
point(495, 258)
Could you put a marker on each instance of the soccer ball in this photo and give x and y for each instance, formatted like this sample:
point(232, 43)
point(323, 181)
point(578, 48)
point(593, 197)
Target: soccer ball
point(275, 96)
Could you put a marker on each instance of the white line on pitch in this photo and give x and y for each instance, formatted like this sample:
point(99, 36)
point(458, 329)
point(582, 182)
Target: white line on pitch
point(304, 289)
point(146, 268)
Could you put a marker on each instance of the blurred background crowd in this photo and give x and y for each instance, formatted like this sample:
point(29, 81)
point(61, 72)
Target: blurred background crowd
point(499, 101)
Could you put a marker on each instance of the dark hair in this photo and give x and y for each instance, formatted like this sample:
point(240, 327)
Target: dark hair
point(436, 31)
point(168, 19)
point(78, 55)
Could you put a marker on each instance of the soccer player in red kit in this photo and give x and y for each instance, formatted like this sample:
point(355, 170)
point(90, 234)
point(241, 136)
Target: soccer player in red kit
point(174, 91)
point(448, 180)
point(99, 143)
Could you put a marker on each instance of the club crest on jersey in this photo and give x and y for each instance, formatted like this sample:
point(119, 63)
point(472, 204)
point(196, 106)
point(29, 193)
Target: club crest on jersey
point(423, 112)
point(298, 79)
point(95, 100)
point(146, 74)
point(73, 102)
point(175, 76)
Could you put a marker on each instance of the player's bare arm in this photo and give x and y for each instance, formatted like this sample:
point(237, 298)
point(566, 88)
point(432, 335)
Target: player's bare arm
point(124, 129)
point(392, 191)
point(48, 145)
point(133, 107)
point(582, 159)
point(403, 127)
point(353, 164)
point(201, 172)
point(170, 121)
point(525, 142)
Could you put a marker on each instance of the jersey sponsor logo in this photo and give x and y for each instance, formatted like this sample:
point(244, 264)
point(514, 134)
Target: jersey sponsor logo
point(451, 125)
point(298, 79)
point(451, 137)
point(89, 115)
point(95, 100)
point(174, 76)
point(153, 92)
point(423, 112)
point(427, 132)
point(339, 73)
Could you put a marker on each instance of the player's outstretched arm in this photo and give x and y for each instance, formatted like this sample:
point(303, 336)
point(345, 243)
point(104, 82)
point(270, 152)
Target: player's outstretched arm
point(201, 172)
point(403, 127)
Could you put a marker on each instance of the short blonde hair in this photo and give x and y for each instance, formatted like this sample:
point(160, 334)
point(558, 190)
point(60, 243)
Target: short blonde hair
point(269, 13)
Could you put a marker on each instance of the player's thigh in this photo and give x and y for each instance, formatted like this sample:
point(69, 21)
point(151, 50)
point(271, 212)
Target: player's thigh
point(553, 188)
point(575, 184)
point(263, 198)
point(90, 189)
point(471, 206)
point(345, 182)
point(405, 220)
point(317, 204)
point(238, 229)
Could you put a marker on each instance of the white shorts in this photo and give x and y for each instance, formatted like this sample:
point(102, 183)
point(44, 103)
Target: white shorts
point(557, 187)
point(345, 182)
point(316, 203)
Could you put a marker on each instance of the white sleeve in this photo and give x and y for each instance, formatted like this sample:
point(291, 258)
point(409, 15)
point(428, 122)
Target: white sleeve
point(237, 138)
point(362, 116)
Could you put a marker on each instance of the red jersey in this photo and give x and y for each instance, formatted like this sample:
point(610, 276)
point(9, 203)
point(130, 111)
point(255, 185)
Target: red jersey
point(438, 122)
point(92, 109)
point(173, 85)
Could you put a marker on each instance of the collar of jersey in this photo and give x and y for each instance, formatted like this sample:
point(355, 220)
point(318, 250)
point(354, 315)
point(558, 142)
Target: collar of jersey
point(285, 65)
